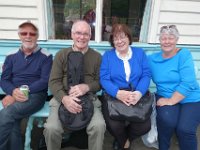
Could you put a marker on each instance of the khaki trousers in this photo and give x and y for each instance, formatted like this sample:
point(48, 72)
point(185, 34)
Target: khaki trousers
point(53, 128)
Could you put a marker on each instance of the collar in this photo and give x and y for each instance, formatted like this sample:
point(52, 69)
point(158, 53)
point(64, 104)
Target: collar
point(37, 48)
point(128, 54)
point(83, 51)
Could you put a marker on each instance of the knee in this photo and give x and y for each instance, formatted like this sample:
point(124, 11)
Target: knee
point(5, 115)
point(100, 127)
point(143, 129)
point(166, 122)
point(97, 128)
point(52, 129)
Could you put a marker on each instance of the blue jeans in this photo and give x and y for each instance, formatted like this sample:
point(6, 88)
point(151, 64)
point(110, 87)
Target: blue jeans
point(11, 116)
point(181, 119)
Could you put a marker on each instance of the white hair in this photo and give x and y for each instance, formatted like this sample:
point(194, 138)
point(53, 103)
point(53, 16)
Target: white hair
point(169, 29)
point(80, 21)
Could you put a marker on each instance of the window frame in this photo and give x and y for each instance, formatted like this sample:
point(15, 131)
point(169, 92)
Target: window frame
point(98, 22)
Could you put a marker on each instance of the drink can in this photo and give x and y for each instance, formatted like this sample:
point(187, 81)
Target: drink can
point(25, 90)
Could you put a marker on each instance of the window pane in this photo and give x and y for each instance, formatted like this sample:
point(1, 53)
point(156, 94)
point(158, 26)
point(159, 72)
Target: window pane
point(67, 11)
point(129, 12)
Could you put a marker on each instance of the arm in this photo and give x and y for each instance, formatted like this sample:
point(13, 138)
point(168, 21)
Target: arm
point(6, 77)
point(176, 98)
point(58, 77)
point(105, 76)
point(187, 83)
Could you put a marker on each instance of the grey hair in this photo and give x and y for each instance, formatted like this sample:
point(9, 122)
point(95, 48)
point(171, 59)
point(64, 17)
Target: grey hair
point(169, 29)
point(77, 22)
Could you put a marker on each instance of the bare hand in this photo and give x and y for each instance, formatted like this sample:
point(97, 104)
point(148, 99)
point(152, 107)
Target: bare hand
point(7, 100)
point(163, 101)
point(19, 95)
point(124, 96)
point(78, 90)
point(71, 104)
point(135, 97)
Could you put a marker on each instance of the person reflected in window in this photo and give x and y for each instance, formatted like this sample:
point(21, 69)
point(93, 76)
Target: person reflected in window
point(121, 66)
point(178, 92)
point(90, 17)
point(108, 28)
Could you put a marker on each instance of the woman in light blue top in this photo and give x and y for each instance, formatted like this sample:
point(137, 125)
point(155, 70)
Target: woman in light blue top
point(178, 92)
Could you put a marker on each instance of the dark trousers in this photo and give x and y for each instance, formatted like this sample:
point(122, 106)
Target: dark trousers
point(123, 130)
point(182, 119)
point(11, 116)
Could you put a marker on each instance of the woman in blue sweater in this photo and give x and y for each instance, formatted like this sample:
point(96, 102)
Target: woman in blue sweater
point(121, 67)
point(178, 93)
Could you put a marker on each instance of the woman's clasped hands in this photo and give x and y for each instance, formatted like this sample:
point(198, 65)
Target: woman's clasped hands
point(129, 97)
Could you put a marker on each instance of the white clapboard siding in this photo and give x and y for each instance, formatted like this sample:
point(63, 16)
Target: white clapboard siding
point(18, 12)
point(14, 12)
point(185, 14)
point(19, 2)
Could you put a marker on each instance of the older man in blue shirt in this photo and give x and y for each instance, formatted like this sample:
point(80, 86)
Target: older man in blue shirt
point(30, 65)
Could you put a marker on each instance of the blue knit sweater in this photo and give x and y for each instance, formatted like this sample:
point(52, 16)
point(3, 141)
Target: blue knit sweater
point(175, 74)
point(112, 72)
point(32, 70)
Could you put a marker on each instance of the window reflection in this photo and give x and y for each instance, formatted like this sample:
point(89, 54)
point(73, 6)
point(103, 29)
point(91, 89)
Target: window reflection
point(66, 12)
point(129, 12)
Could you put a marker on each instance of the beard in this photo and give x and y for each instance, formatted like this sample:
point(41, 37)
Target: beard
point(29, 46)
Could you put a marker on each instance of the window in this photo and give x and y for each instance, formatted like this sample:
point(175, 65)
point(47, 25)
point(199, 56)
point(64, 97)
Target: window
point(66, 12)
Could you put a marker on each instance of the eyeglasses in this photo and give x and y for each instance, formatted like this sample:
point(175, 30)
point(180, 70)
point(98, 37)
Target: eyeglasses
point(168, 27)
point(121, 37)
point(28, 33)
point(83, 34)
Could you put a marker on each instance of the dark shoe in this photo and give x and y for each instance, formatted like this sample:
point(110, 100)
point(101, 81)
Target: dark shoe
point(116, 145)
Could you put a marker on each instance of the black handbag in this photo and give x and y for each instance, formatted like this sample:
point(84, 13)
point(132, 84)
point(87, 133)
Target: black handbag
point(135, 113)
point(75, 75)
point(80, 120)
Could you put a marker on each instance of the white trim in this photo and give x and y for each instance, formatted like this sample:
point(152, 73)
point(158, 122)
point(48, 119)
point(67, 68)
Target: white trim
point(153, 24)
point(98, 24)
point(42, 19)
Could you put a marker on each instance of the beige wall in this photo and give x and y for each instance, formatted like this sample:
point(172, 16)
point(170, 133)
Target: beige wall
point(14, 12)
point(183, 13)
